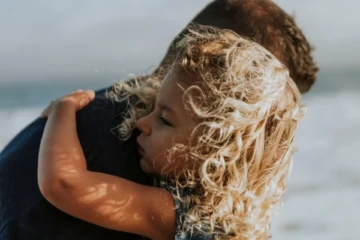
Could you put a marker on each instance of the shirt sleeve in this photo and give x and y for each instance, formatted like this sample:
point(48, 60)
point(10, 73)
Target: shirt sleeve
point(180, 208)
point(180, 234)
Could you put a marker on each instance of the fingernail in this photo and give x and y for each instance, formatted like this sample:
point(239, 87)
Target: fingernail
point(90, 93)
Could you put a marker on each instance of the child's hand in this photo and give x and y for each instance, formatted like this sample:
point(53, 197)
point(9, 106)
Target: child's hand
point(77, 99)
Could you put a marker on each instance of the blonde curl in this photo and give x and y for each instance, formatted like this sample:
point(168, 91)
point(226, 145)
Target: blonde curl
point(248, 109)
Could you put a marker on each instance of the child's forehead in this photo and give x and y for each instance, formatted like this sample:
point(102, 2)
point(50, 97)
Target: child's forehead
point(182, 76)
point(172, 88)
point(175, 84)
point(171, 93)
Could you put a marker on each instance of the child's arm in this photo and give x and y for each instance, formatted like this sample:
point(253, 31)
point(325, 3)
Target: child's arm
point(101, 199)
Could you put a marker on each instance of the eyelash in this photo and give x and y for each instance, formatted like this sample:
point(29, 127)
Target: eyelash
point(164, 121)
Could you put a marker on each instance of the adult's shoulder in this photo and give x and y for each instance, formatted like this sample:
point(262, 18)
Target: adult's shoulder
point(23, 210)
point(97, 130)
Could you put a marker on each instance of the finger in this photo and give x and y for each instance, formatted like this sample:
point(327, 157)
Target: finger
point(84, 98)
point(91, 94)
point(79, 98)
point(83, 102)
point(74, 93)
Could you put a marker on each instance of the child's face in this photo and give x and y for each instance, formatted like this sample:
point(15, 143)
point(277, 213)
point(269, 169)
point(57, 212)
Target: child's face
point(168, 124)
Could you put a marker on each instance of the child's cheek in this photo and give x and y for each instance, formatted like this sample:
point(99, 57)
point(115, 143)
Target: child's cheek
point(160, 163)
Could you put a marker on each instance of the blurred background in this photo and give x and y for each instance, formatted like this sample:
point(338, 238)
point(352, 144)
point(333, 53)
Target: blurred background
point(49, 48)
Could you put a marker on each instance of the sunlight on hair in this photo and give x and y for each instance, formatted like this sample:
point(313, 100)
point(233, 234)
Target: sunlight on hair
point(247, 109)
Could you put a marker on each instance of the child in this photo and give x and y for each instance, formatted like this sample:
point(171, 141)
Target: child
point(219, 135)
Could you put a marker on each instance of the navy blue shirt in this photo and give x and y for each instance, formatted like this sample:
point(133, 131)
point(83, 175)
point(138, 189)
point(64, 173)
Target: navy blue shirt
point(25, 214)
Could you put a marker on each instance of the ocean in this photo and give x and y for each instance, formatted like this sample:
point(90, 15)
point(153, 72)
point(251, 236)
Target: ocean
point(322, 202)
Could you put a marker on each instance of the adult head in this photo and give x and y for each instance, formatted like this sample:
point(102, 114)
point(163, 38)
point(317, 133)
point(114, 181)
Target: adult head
point(267, 24)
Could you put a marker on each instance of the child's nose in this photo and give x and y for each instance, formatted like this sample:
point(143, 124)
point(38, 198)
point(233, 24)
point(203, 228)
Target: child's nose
point(143, 126)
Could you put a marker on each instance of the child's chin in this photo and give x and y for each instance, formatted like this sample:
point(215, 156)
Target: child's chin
point(145, 166)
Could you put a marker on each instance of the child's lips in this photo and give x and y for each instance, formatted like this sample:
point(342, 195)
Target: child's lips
point(141, 151)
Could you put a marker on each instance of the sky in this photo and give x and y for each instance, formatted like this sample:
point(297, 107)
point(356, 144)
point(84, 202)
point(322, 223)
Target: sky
point(48, 40)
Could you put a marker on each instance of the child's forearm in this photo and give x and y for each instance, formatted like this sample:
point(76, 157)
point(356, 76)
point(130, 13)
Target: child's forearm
point(99, 198)
point(61, 156)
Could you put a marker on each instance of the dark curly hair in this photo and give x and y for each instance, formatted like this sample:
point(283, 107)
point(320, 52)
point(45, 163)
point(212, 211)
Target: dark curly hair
point(267, 24)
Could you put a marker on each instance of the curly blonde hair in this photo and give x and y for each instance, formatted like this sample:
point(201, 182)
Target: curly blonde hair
point(248, 110)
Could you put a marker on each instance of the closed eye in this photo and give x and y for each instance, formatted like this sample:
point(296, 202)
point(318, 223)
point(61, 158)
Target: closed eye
point(164, 121)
